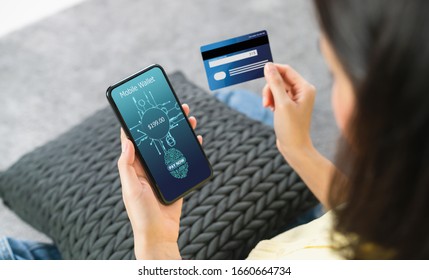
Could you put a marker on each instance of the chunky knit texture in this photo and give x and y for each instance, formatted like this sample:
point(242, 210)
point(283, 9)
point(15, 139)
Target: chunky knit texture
point(70, 187)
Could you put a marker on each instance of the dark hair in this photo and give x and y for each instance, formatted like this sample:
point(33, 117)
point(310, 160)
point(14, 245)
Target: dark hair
point(383, 47)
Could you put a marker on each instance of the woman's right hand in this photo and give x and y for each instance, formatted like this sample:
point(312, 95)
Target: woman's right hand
point(291, 98)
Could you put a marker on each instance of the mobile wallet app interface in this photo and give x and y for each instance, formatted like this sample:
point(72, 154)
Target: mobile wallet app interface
point(161, 133)
point(236, 60)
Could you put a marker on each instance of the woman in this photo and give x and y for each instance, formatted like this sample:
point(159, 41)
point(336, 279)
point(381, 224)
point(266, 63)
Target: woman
point(378, 189)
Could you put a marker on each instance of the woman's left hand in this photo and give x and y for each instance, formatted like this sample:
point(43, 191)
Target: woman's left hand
point(155, 225)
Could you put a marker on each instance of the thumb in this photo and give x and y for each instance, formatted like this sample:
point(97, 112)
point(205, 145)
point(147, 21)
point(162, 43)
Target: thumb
point(125, 165)
point(276, 83)
point(136, 190)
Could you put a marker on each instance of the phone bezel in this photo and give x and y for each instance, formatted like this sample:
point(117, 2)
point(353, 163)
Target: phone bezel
point(151, 179)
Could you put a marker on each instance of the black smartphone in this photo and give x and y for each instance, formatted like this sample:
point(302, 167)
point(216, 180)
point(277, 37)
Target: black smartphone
point(166, 145)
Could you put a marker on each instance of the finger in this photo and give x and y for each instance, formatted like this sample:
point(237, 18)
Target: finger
point(126, 145)
point(123, 135)
point(138, 168)
point(277, 84)
point(186, 108)
point(288, 86)
point(134, 187)
point(297, 82)
point(127, 173)
point(193, 122)
point(267, 97)
point(290, 75)
point(200, 139)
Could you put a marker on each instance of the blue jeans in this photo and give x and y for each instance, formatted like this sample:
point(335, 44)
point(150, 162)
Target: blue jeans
point(248, 103)
point(13, 249)
point(243, 101)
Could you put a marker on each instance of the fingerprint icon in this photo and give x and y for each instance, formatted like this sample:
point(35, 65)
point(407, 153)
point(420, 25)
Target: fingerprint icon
point(176, 163)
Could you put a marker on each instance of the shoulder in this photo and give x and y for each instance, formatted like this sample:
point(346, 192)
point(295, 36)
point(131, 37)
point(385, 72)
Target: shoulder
point(308, 241)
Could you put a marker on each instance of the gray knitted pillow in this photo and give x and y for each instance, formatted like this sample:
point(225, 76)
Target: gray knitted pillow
point(70, 189)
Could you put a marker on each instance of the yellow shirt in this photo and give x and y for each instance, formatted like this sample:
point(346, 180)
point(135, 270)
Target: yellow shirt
point(308, 241)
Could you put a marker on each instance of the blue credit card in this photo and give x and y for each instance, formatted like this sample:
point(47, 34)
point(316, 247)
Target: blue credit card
point(236, 60)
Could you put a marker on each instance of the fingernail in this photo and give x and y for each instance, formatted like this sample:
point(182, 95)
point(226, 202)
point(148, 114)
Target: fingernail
point(264, 101)
point(124, 146)
point(271, 68)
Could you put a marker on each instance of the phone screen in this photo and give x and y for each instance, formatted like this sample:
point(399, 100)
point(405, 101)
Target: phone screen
point(153, 118)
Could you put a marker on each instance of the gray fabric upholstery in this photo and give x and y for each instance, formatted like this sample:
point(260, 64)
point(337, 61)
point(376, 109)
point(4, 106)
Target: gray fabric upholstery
point(70, 189)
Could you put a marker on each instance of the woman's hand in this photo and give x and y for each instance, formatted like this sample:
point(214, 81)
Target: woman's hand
point(291, 98)
point(155, 226)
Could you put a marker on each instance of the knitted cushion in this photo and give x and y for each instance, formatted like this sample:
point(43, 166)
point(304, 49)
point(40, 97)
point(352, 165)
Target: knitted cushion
point(70, 188)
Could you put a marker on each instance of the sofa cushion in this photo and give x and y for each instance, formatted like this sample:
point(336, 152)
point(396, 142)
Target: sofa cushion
point(70, 189)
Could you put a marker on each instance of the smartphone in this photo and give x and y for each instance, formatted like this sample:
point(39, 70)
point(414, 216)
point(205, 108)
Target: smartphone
point(153, 119)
